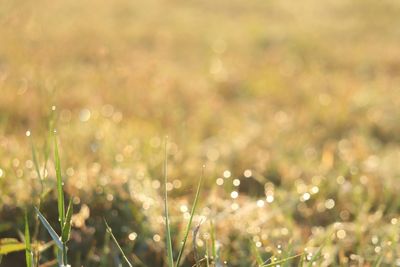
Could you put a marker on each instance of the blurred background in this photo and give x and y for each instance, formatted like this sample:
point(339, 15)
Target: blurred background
point(292, 106)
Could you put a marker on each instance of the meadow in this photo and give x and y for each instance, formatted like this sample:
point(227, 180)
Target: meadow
point(277, 120)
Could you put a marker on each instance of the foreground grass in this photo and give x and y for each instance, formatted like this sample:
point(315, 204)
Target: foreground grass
point(293, 107)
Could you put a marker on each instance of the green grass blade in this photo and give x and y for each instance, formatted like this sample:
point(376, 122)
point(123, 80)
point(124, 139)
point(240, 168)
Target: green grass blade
point(50, 229)
point(378, 261)
point(60, 193)
point(28, 248)
point(278, 262)
point(213, 242)
point(8, 245)
point(207, 255)
point(109, 230)
point(196, 199)
point(66, 230)
point(256, 254)
point(167, 227)
point(315, 257)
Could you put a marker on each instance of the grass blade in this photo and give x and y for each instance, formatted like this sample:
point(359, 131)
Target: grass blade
point(378, 261)
point(167, 227)
point(196, 199)
point(8, 245)
point(278, 262)
point(28, 248)
point(256, 253)
point(315, 257)
point(66, 230)
point(109, 230)
point(49, 229)
point(60, 193)
point(213, 242)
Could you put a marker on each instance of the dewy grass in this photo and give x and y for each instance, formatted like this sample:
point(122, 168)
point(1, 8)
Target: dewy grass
point(168, 241)
point(65, 219)
point(196, 199)
point(60, 193)
point(28, 247)
point(109, 230)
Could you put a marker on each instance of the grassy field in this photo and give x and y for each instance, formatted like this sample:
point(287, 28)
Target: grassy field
point(292, 106)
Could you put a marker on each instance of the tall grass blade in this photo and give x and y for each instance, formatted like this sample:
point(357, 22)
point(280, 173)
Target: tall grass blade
point(60, 193)
point(167, 227)
point(109, 230)
point(28, 248)
point(378, 261)
point(256, 253)
point(196, 199)
point(66, 230)
point(213, 242)
point(49, 229)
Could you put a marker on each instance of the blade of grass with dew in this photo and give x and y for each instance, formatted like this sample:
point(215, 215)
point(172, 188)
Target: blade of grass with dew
point(278, 262)
point(207, 256)
point(315, 257)
point(60, 192)
point(167, 227)
point(213, 246)
point(49, 229)
point(40, 200)
point(66, 230)
point(256, 253)
point(196, 200)
point(109, 230)
point(28, 248)
point(287, 253)
point(301, 262)
point(378, 261)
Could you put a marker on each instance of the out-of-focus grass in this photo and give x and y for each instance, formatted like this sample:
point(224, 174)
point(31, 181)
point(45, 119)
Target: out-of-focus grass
point(293, 107)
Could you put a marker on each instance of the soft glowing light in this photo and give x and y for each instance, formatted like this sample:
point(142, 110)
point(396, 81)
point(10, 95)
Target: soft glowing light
point(270, 198)
point(184, 208)
point(220, 181)
point(84, 115)
point(247, 173)
point(227, 174)
point(329, 204)
point(132, 236)
point(156, 238)
point(234, 194)
point(341, 234)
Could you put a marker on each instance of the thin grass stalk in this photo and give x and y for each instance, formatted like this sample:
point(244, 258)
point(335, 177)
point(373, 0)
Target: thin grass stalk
point(196, 198)
point(167, 226)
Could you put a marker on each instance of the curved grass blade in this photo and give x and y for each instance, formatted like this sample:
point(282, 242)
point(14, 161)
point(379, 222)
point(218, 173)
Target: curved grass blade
point(66, 230)
point(196, 199)
point(109, 230)
point(167, 227)
point(28, 248)
point(278, 262)
point(60, 193)
point(49, 229)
